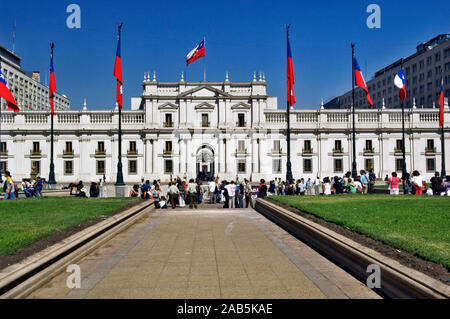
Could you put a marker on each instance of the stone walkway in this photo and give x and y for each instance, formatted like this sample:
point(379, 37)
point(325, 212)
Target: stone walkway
point(206, 253)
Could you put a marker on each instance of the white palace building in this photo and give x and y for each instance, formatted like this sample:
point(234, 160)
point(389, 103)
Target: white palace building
point(227, 129)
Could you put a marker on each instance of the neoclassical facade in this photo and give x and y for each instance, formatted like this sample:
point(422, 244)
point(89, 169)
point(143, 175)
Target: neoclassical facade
point(226, 129)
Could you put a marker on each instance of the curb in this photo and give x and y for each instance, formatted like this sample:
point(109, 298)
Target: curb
point(397, 281)
point(19, 280)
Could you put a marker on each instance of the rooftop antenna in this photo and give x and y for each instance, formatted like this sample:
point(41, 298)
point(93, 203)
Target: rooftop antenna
point(14, 37)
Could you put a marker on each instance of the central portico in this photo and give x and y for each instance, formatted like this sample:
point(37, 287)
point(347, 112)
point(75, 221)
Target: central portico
point(204, 128)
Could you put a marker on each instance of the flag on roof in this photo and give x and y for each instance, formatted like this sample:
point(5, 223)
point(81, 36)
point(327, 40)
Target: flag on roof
point(359, 80)
point(196, 53)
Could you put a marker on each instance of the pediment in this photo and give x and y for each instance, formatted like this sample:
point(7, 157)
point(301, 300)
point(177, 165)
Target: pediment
point(241, 106)
point(205, 106)
point(204, 91)
point(168, 106)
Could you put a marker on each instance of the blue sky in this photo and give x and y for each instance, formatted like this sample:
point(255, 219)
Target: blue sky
point(241, 37)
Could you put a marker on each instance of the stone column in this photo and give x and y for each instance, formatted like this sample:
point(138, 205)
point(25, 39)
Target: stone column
point(182, 157)
point(148, 156)
point(221, 155)
point(255, 162)
point(153, 146)
point(189, 171)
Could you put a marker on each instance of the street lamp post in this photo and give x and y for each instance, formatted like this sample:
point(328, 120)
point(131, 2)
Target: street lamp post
point(404, 172)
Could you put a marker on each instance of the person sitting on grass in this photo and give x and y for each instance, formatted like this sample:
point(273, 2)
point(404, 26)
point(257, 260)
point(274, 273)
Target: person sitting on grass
point(351, 187)
point(446, 186)
point(337, 186)
point(326, 186)
point(81, 191)
point(134, 192)
point(393, 183)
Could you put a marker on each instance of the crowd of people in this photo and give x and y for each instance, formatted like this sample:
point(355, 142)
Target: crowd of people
point(240, 194)
point(29, 187)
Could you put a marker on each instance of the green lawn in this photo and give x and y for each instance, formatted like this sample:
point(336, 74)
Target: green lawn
point(23, 221)
point(418, 224)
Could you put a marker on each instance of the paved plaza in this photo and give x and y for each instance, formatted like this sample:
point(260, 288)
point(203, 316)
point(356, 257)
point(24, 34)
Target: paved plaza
point(206, 253)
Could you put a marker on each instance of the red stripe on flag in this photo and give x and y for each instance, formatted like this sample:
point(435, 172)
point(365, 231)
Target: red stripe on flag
point(290, 82)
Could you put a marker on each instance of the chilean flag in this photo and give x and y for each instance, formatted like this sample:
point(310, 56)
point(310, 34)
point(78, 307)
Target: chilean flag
point(399, 82)
point(290, 77)
point(196, 53)
point(118, 76)
point(6, 94)
point(441, 104)
point(359, 80)
point(52, 87)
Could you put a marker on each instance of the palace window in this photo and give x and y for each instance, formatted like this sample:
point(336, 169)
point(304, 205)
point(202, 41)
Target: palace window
point(36, 148)
point(100, 167)
point(69, 149)
point(241, 120)
point(168, 120)
point(36, 167)
point(431, 165)
point(241, 146)
point(205, 120)
point(168, 166)
point(398, 164)
point(368, 148)
point(337, 146)
point(3, 167)
point(132, 167)
point(241, 166)
point(132, 149)
point(168, 149)
point(68, 167)
point(3, 147)
point(307, 165)
point(430, 146)
point(338, 165)
point(276, 146)
point(307, 146)
point(368, 164)
point(101, 147)
point(276, 165)
point(399, 146)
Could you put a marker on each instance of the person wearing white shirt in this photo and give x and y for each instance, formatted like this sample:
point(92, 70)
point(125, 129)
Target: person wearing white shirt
point(231, 189)
point(417, 181)
point(212, 188)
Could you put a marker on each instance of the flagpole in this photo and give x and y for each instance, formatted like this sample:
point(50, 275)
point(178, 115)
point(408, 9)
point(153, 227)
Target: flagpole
point(404, 172)
point(51, 177)
point(204, 61)
point(288, 133)
point(119, 178)
point(443, 173)
point(354, 172)
point(1, 180)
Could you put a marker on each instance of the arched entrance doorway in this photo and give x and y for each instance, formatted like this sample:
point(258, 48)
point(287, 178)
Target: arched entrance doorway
point(205, 163)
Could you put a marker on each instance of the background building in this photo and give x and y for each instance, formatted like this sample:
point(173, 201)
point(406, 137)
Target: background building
point(423, 72)
point(226, 129)
point(29, 93)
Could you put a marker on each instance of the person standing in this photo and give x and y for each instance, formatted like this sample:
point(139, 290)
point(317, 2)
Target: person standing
point(212, 191)
point(372, 178)
point(10, 192)
point(262, 189)
point(38, 187)
point(241, 195)
point(248, 194)
point(192, 192)
point(364, 179)
point(174, 194)
point(417, 182)
point(231, 189)
point(301, 187)
point(317, 186)
point(393, 183)
point(436, 184)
